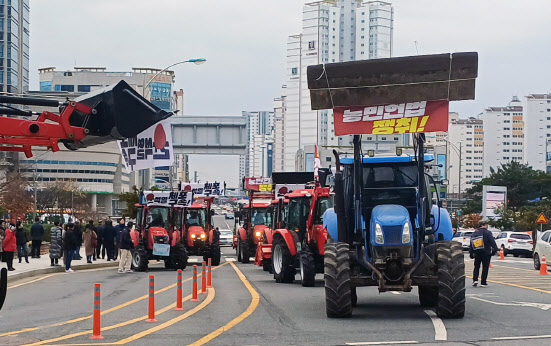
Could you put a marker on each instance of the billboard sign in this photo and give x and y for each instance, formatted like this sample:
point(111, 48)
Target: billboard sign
point(258, 184)
point(493, 197)
point(204, 189)
point(412, 117)
point(166, 199)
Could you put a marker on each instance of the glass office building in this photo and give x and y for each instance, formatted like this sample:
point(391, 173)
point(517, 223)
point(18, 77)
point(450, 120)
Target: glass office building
point(14, 46)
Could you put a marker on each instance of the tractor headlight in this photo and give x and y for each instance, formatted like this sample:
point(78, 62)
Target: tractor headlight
point(379, 239)
point(203, 235)
point(258, 234)
point(406, 234)
point(193, 236)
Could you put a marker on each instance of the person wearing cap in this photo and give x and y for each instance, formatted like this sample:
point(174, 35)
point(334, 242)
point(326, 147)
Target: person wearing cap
point(483, 247)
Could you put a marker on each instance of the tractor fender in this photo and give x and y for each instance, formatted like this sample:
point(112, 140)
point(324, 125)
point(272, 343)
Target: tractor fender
point(242, 234)
point(135, 236)
point(320, 238)
point(330, 224)
point(269, 235)
point(175, 238)
point(289, 240)
point(443, 226)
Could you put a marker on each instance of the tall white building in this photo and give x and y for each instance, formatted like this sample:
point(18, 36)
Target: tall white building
point(466, 138)
point(332, 31)
point(260, 132)
point(503, 135)
point(537, 119)
point(279, 133)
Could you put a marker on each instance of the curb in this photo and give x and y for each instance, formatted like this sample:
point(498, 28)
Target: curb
point(37, 272)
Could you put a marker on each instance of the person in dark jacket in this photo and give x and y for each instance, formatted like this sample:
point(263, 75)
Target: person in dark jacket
point(118, 231)
point(37, 232)
point(126, 246)
point(56, 237)
point(22, 240)
point(77, 229)
point(70, 244)
point(109, 239)
point(483, 247)
point(100, 249)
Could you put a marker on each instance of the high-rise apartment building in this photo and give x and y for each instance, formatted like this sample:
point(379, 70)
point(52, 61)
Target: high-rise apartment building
point(260, 143)
point(332, 31)
point(537, 126)
point(279, 133)
point(503, 135)
point(14, 46)
point(466, 138)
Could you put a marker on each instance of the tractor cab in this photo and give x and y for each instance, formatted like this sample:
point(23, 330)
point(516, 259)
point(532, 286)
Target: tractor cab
point(201, 238)
point(195, 224)
point(277, 215)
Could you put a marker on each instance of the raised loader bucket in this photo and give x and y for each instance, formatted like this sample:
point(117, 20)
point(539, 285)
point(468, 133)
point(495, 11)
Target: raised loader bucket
point(121, 113)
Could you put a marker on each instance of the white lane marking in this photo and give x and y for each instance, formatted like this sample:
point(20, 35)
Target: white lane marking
point(394, 292)
point(440, 332)
point(541, 306)
point(230, 259)
point(382, 343)
point(523, 337)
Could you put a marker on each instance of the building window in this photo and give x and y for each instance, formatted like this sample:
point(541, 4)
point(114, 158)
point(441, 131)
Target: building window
point(84, 88)
point(69, 88)
point(294, 71)
point(45, 86)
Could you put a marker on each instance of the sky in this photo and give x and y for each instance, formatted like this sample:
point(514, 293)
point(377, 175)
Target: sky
point(244, 42)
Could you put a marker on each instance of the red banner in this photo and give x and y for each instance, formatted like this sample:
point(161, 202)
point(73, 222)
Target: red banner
point(413, 117)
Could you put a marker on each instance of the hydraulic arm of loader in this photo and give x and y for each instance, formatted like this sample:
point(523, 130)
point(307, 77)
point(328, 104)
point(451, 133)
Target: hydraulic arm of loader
point(113, 113)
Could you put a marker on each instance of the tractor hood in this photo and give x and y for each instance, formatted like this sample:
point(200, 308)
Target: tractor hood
point(390, 219)
point(390, 215)
point(158, 232)
point(197, 230)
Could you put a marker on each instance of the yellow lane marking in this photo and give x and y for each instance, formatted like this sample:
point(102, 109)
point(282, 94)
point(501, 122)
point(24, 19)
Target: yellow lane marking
point(115, 308)
point(517, 286)
point(114, 326)
point(252, 307)
point(32, 281)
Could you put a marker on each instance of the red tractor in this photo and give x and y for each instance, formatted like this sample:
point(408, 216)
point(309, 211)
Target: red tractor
point(201, 238)
point(277, 212)
point(255, 218)
point(300, 244)
point(158, 234)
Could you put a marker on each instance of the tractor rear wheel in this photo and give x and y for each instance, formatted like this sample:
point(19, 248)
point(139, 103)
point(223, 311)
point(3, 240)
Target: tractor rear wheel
point(245, 252)
point(267, 265)
point(238, 250)
point(282, 262)
point(179, 257)
point(338, 300)
point(428, 296)
point(139, 259)
point(307, 268)
point(215, 254)
point(451, 280)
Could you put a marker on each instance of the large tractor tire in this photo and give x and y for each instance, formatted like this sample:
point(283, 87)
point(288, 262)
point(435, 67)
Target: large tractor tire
point(238, 250)
point(283, 263)
point(428, 296)
point(139, 259)
point(338, 300)
point(267, 265)
point(179, 257)
point(214, 254)
point(451, 280)
point(245, 252)
point(307, 268)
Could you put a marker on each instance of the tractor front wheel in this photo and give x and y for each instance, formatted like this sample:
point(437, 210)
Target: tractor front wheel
point(267, 265)
point(215, 254)
point(245, 252)
point(338, 300)
point(451, 280)
point(179, 257)
point(428, 296)
point(139, 259)
point(238, 250)
point(282, 262)
point(307, 268)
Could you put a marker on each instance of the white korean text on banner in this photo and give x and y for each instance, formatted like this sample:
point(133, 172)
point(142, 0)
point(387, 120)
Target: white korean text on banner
point(151, 148)
point(167, 199)
point(204, 189)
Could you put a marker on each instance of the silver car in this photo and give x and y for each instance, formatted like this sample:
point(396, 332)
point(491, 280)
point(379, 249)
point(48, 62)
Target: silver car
point(226, 237)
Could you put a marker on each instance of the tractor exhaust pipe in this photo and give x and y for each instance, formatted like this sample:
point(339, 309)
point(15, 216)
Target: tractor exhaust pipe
point(339, 201)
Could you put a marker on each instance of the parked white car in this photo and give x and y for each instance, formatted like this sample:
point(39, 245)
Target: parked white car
point(543, 247)
point(516, 243)
point(464, 237)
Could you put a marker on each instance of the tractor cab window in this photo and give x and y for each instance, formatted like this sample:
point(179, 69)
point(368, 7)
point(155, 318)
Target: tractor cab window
point(196, 217)
point(139, 217)
point(158, 217)
point(177, 218)
point(261, 217)
point(273, 219)
point(299, 208)
point(323, 205)
point(390, 176)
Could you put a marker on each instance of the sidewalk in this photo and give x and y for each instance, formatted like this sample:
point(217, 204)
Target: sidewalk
point(40, 266)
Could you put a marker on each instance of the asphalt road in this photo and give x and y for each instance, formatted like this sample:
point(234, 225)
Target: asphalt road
point(247, 307)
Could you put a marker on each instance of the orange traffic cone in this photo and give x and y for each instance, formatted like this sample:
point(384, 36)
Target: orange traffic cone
point(501, 255)
point(543, 266)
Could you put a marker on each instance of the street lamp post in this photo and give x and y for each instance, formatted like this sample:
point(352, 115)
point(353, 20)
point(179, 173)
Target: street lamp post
point(459, 154)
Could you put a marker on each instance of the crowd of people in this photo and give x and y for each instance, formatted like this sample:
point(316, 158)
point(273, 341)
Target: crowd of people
point(66, 242)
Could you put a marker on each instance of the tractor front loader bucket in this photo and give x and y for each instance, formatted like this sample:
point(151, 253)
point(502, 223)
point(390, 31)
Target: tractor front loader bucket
point(3, 286)
point(118, 112)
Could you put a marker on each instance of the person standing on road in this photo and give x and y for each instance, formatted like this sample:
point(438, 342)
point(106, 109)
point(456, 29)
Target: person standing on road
point(9, 247)
point(126, 246)
point(37, 232)
point(55, 244)
point(118, 232)
point(89, 237)
point(22, 240)
point(100, 249)
point(71, 244)
point(109, 239)
point(77, 229)
point(483, 247)
point(95, 240)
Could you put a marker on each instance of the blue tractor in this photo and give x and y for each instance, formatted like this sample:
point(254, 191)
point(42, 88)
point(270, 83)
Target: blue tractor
point(385, 229)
